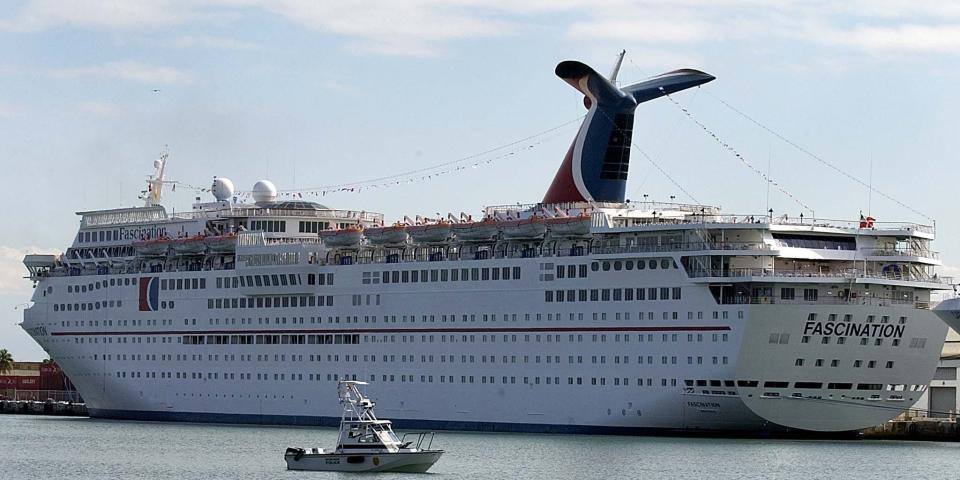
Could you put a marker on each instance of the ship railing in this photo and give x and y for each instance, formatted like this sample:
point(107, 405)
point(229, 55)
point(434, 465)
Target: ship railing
point(911, 252)
point(851, 274)
point(674, 247)
point(582, 206)
point(825, 300)
point(322, 214)
point(707, 217)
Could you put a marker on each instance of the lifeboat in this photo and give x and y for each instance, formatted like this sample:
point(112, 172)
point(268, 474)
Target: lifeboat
point(532, 227)
point(189, 246)
point(392, 235)
point(430, 233)
point(152, 248)
point(343, 237)
point(578, 226)
point(476, 231)
point(221, 243)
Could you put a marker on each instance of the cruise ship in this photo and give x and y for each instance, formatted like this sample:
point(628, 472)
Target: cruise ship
point(583, 313)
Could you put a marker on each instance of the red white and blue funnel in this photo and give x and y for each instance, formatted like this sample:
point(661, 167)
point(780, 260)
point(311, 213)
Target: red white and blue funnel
point(595, 167)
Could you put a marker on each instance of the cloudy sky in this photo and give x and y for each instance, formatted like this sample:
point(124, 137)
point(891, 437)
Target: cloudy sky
point(311, 94)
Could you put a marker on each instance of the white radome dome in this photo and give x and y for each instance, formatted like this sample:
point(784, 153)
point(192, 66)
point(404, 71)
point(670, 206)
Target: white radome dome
point(222, 188)
point(264, 191)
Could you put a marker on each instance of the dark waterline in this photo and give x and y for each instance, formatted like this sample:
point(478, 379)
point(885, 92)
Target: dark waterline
point(35, 447)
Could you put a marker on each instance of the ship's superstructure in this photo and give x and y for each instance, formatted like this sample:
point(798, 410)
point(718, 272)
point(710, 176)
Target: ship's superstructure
point(585, 313)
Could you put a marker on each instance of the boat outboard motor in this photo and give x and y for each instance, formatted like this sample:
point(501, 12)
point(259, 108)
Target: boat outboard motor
point(595, 167)
point(298, 453)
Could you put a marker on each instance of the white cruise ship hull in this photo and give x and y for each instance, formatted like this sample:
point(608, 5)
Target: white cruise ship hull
point(495, 357)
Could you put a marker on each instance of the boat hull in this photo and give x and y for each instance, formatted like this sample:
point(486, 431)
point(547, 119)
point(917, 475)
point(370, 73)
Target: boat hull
point(406, 462)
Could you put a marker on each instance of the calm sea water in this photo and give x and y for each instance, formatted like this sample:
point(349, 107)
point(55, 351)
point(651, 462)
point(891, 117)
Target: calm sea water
point(34, 447)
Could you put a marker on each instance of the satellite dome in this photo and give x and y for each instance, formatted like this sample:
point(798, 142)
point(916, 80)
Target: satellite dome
point(222, 188)
point(264, 191)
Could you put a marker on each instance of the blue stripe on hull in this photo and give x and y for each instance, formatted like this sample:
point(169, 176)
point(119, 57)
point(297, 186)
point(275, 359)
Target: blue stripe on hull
point(418, 424)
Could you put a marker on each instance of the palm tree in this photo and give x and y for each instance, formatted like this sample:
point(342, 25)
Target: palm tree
point(6, 361)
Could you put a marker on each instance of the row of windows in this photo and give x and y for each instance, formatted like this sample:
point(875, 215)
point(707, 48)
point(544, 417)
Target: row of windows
point(612, 294)
point(313, 227)
point(273, 280)
point(113, 282)
point(617, 265)
point(86, 306)
point(836, 363)
point(403, 378)
point(812, 317)
point(268, 225)
point(271, 302)
point(442, 275)
point(454, 338)
point(328, 339)
point(183, 283)
point(98, 236)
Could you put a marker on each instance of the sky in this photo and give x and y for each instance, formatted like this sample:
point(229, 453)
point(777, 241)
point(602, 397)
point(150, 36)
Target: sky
point(311, 94)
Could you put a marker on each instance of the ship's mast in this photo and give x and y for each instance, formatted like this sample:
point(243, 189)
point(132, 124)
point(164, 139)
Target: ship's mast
point(156, 181)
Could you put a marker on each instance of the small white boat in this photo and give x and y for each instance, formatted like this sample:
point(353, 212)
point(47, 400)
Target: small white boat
point(152, 248)
point(578, 226)
point(366, 444)
point(344, 237)
point(476, 231)
point(221, 243)
point(532, 227)
point(189, 245)
point(392, 235)
point(430, 233)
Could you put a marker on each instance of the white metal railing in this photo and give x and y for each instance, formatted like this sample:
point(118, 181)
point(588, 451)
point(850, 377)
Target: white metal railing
point(765, 272)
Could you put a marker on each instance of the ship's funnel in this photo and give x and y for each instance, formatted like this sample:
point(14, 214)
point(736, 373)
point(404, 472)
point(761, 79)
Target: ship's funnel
point(595, 167)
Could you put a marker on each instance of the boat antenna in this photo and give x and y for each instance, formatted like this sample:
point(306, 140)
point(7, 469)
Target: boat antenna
point(870, 189)
point(616, 67)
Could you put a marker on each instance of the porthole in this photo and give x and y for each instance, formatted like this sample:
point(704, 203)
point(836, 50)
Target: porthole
point(618, 265)
point(595, 266)
point(606, 266)
point(665, 263)
point(653, 264)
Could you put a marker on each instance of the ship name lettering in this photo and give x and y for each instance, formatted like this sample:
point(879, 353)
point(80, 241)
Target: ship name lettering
point(143, 233)
point(854, 329)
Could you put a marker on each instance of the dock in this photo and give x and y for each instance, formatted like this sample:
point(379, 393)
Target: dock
point(932, 429)
point(35, 407)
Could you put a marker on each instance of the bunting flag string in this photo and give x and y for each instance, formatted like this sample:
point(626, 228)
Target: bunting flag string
point(819, 159)
point(737, 154)
point(469, 162)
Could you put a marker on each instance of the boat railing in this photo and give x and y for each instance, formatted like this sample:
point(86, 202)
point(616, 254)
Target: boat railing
point(713, 218)
point(849, 274)
point(826, 300)
point(322, 213)
point(910, 252)
point(676, 247)
point(581, 206)
point(420, 438)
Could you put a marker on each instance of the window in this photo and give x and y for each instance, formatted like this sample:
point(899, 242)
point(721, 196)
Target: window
point(810, 294)
point(786, 294)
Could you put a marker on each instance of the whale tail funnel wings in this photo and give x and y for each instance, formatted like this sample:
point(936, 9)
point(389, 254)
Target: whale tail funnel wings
point(595, 167)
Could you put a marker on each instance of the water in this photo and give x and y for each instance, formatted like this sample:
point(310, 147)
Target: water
point(35, 447)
